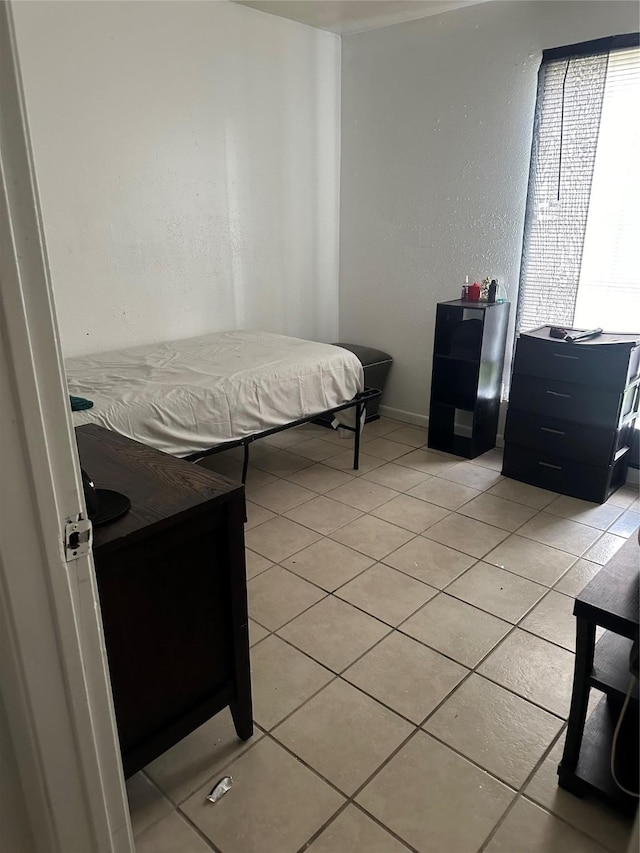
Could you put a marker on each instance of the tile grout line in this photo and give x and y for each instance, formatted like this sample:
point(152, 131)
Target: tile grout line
point(472, 670)
point(343, 808)
point(213, 847)
point(443, 590)
point(481, 559)
point(522, 795)
point(398, 629)
point(392, 628)
point(417, 728)
point(485, 491)
point(351, 799)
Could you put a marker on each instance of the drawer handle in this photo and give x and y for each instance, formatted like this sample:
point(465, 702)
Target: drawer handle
point(562, 355)
point(549, 465)
point(558, 394)
point(553, 431)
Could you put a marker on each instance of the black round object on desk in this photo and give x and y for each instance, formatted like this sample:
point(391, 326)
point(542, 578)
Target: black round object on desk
point(111, 506)
point(103, 505)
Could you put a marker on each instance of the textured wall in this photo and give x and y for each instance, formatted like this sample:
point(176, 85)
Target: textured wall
point(187, 157)
point(437, 119)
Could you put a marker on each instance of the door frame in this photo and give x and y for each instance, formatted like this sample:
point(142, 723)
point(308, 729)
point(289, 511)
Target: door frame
point(55, 681)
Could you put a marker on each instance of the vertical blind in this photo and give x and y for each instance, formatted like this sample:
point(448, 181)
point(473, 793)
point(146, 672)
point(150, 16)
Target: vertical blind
point(579, 261)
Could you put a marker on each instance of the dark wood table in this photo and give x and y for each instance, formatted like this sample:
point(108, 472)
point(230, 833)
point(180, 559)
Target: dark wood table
point(172, 584)
point(610, 601)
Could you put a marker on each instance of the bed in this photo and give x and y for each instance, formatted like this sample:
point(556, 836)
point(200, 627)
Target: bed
point(200, 395)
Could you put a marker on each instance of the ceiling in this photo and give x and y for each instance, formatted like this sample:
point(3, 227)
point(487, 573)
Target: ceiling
point(352, 16)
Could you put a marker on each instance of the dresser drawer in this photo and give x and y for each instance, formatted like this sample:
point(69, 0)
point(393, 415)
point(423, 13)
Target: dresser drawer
point(562, 438)
point(604, 365)
point(588, 482)
point(596, 407)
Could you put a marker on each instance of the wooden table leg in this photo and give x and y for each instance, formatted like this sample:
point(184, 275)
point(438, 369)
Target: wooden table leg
point(585, 646)
point(241, 705)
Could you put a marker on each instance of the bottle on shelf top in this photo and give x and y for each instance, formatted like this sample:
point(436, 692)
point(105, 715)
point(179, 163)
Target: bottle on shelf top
point(474, 292)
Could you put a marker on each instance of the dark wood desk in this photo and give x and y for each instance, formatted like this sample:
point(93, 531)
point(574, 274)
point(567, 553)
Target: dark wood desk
point(172, 584)
point(609, 601)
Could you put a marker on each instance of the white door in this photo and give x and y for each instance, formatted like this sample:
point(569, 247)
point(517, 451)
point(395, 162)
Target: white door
point(54, 684)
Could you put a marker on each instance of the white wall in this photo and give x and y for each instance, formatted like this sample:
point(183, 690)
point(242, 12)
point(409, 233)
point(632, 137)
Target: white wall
point(437, 119)
point(187, 157)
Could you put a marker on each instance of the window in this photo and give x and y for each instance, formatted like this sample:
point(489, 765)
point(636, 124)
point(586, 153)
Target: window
point(580, 263)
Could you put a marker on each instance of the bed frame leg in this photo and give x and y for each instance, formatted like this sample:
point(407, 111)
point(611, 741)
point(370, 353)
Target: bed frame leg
point(245, 463)
point(356, 447)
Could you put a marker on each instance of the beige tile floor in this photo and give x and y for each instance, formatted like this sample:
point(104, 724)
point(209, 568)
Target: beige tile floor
point(412, 653)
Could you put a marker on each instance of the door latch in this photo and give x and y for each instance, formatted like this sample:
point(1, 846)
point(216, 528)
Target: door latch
point(78, 536)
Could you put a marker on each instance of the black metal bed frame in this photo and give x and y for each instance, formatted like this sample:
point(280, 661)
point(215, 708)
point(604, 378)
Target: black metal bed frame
point(359, 402)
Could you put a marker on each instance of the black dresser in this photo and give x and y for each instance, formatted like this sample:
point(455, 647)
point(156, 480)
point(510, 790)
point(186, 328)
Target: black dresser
point(571, 413)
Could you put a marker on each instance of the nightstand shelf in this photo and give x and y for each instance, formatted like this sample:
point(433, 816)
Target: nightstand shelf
point(611, 666)
point(592, 775)
point(475, 361)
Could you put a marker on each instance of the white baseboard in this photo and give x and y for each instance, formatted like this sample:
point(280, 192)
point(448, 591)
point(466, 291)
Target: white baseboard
point(405, 417)
point(421, 420)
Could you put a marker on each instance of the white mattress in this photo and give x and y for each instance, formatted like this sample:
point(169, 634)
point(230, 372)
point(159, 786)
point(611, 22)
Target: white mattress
point(187, 396)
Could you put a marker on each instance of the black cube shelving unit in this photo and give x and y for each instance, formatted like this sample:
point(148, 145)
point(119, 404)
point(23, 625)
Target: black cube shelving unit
point(466, 380)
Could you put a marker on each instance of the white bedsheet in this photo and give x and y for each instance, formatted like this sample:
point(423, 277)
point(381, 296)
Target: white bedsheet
point(187, 396)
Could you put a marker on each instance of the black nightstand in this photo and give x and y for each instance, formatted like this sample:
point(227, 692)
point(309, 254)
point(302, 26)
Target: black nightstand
point(610, 601)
